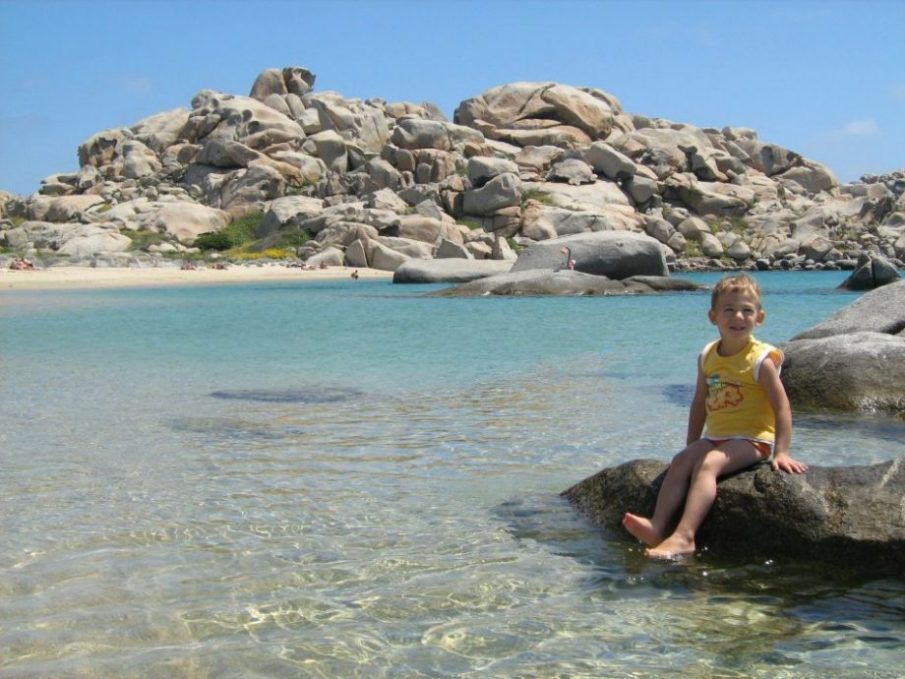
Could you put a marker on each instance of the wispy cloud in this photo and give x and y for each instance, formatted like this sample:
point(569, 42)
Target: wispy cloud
point(858, 128)
point(137, 84)
point(898, 91)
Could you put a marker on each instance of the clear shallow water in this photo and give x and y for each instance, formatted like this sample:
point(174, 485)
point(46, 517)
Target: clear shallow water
point(349, 479)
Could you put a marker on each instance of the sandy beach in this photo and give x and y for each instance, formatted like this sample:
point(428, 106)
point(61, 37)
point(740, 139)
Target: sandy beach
point(77, 277)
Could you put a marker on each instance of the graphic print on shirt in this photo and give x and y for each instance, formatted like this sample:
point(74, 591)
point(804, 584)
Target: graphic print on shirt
point(722, 394)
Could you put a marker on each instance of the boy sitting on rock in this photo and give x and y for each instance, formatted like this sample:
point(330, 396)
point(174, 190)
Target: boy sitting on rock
point(741, 402)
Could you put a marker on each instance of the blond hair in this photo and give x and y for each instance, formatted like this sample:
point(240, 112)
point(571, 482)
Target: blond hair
point(740, 283)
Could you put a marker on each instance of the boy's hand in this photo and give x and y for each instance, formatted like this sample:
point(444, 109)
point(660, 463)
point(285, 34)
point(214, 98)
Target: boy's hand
point(784, 462)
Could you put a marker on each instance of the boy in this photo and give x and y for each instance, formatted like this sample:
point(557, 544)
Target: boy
point(739, 397)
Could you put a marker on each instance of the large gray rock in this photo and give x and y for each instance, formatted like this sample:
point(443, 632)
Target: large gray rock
point(881, 310)
point(858, 371)
point(849, 515)
point(542, 282)
point(447, 270)
point(413, 133)
point(872, 271)
point(855, 360)
point(502, 191)
point(614, 254)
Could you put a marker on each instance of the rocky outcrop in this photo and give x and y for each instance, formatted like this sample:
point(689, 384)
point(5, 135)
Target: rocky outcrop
point(452, 270)
point(842, 515)
point(541, 282)
point(613, 254)
point(871, 272)
point(855, 359)
point(523, 162)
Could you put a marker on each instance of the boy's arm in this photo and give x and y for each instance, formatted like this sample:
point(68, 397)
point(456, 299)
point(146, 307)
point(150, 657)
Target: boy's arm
point(782, 410)
point(697, 413)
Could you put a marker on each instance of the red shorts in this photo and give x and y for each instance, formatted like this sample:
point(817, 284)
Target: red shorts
point(762, 447)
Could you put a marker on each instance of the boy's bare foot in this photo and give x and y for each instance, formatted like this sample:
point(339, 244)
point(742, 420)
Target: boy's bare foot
point(673, 547)
point(642, 529)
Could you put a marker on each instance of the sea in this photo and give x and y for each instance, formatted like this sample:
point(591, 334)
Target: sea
point(358, 479)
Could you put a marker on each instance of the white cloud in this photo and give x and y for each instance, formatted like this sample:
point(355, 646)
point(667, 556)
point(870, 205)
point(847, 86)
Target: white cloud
point(137, 84)
point(859, 128)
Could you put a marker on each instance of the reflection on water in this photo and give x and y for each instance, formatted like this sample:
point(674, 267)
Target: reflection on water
point(151, 530)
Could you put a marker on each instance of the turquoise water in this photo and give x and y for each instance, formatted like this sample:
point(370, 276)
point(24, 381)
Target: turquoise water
point(346, 479)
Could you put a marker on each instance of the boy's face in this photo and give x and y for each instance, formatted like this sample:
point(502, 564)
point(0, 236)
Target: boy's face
point(736, 314)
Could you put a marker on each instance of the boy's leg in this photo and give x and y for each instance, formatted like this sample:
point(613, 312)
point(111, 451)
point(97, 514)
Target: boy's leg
point(671, 496)
point(729, 456)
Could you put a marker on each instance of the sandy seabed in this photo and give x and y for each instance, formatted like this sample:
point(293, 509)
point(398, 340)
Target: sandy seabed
point(81, 277)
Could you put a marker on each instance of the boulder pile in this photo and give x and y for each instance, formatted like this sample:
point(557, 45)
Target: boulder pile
point(371, 183)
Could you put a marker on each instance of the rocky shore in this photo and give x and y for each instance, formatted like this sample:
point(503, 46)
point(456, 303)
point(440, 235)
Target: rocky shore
point(289, 172)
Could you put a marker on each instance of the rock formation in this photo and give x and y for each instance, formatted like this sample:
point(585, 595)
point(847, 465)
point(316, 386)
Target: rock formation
point(382, 184)
point(849, 516)
point(855, 359)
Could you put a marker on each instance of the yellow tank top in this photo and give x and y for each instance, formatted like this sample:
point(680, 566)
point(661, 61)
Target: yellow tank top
point(737, 406)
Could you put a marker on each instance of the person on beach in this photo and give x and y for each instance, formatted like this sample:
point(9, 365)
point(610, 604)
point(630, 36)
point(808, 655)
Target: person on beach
point(739, 416)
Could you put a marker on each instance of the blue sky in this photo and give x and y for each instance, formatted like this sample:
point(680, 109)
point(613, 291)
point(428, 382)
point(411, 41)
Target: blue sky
point(825, 78)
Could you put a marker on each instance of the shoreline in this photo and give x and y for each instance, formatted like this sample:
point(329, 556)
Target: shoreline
point(85, 277)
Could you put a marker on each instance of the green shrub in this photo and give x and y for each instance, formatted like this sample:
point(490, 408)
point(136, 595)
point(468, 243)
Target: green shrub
point(142, 239)
point(693, 249)
point(471, 223)
point(294, 238)
point(237, 233)
point(214, 240)
point(538, 195)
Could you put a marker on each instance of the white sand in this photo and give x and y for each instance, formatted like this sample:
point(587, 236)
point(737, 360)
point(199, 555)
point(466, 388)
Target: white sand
point(75, 277)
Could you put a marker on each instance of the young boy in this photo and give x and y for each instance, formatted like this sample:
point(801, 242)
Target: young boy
point(739, 397)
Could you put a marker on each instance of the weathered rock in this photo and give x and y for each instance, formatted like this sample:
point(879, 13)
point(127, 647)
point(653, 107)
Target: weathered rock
point(448, 270)
point(186, 221)
point(329, 256)
point(881, 310)
point(540, 222)
point(161, 130)
point(614, 254)
point(502, 191)
point(330, 147)
point(502, 112)
point(96, 242)
point(850, 515)
point(572, 171)
point(542, 282)
point(62, 208)
point(854, 360)
point(601, 196)
point(482, 169)
point(609, 162)
point(289, 212)
point(412, 133)
point(383, 258)
point(447, 249)
point(360, 122)
point(872, 271)
point(857, 371)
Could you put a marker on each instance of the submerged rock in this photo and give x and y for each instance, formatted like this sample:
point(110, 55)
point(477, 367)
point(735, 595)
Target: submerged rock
point(312, 395)
point(847, 515)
